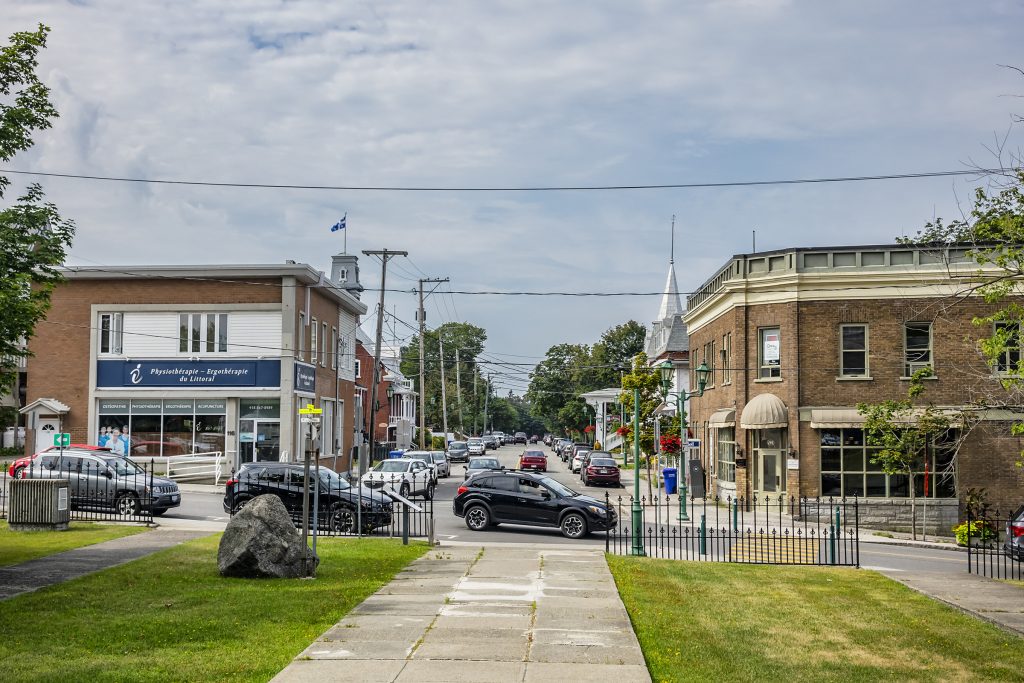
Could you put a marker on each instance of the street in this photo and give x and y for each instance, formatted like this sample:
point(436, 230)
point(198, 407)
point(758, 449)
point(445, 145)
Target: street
point(207, 507)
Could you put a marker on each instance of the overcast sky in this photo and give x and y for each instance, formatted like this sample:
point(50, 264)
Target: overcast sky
point(522, 93)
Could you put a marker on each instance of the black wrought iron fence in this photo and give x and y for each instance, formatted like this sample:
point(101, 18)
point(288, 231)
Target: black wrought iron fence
point(337, 507)
point(105, 488)
point(759, 530)
point(995, 544)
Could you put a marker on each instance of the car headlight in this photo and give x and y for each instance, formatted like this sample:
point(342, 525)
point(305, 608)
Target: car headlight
point(597, 510)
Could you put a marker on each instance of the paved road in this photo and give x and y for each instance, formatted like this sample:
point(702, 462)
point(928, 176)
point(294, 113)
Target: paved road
point(207, 507)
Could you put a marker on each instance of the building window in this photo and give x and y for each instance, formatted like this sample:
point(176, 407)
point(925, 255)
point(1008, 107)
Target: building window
point(323, 347)
point(769, 353)
point(726, 454)
point(313, 341)
point(203, 332)
point(359, 365)
point(726, 354)
point(853, 350)
point(111, 332)
point(301, 348)
point(709, 358)
point(847, 470)
point(1009, 359)
point(334, 346)
point(917, 344)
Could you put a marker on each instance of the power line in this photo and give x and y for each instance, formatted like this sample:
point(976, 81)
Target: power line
point(535, 188)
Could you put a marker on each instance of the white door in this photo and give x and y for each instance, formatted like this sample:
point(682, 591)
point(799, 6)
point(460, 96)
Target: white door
point(45, 429)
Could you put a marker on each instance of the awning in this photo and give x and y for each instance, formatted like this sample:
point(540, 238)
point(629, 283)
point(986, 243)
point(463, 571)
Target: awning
point(726, 417)
point(765, 411)
point(46, 406)
point(835, 418)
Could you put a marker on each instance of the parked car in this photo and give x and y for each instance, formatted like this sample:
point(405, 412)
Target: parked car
point(407, 476)
point(533, 460)
point(520, 437)
point(588, 456)
point(444, 468)
point(491, 441)
point(601, 468)
point(534, 439)
point(1015, 535)
point(458, 451)
point(479, 464)
point(14, 471)
point(500, 438)
point(475, 446)
point(547, 439)
point(101, 480)
point(491, 498)
point(337, 500)
point(577, 461)
point(427, 458)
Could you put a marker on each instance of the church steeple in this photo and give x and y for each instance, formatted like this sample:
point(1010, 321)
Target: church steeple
point(670, 303)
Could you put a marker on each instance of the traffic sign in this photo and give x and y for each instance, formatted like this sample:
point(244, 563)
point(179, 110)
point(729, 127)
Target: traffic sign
point(309, 420)
point(62, 440)
point(310, 410)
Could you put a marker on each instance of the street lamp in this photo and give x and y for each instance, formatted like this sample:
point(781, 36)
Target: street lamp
point(667, 369)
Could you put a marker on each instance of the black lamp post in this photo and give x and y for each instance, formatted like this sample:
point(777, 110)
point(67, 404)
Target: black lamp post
point(667, 369)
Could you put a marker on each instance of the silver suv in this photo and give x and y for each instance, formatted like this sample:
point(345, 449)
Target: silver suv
point(104, 480)
point(407, 476)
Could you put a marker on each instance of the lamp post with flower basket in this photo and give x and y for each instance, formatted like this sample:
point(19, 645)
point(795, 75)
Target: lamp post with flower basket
point(667, 369)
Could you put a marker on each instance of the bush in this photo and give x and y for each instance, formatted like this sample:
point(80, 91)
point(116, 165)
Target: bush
point(437, 443)
point(13, 453)
point(979, 530)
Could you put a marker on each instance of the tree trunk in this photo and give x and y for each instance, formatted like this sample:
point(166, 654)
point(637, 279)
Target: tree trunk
point(913, 508)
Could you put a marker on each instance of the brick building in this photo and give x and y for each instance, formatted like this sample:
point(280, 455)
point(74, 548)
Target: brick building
point(797, 338)
point(167, 360)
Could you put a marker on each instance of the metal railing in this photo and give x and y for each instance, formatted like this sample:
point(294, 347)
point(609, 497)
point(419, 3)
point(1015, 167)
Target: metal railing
point(995, 545)
point(760, 530)
point(194, 466)
point(338, 508)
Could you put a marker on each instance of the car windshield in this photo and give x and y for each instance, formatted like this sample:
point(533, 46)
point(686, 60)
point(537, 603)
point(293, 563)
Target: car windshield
point(602, 462)
point(559, 488)
point(475, 442)
point(438, 457)
point(483, 464)
point(391, 466)
point(533, 454)
point(457, 445)
point(333, 481)
point(123, 466)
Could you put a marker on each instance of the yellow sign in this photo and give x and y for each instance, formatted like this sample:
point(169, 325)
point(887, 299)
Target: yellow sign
point(310, 410)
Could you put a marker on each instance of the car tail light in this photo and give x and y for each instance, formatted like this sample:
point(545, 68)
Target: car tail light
point(230, 482)
point(1017, 529)
point(591, 469)
point(462, 489)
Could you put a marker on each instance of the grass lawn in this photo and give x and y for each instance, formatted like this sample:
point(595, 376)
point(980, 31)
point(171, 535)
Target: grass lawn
point(21, 546)
point(170, 616)
point(704, 621)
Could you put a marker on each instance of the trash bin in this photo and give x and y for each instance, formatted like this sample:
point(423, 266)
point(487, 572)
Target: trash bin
point(396, 454)
point(671, 479)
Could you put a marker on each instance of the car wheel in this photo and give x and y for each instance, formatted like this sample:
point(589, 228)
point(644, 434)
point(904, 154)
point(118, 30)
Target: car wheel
point(429, 495)
point(477, 518)
point(127, 504)
point(19, 473)
point(404, 490)
point(239, 504)
point(342, 519)
point(574, 526)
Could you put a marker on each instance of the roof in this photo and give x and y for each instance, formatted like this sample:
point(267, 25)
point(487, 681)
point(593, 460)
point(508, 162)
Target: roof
point(46, 406)
point(302, 272)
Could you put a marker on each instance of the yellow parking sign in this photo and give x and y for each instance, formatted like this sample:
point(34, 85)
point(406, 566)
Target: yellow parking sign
point(310, 410)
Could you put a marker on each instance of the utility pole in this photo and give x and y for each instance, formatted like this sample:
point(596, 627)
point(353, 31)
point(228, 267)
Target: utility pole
point(458, 389)
point(476, 402)
point(422, 315)
point(487, 398)
point(384, 255)
point(444, 394)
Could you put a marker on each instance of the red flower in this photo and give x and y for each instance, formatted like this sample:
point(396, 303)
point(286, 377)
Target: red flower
point(588, 429)
point(670, 444)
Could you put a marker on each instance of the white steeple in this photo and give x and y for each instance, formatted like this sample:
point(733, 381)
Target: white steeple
point(670, 303)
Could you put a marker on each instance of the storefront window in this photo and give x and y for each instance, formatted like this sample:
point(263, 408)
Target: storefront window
point(847, 470)
point(727, 454)
point(154, 428)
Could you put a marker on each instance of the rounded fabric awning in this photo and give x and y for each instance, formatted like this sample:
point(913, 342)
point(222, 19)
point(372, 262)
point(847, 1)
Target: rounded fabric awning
point(765, 411)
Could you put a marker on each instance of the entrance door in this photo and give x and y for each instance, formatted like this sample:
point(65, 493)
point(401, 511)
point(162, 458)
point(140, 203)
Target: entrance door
point(45, 429)
point(770, 461)
point(259, 440)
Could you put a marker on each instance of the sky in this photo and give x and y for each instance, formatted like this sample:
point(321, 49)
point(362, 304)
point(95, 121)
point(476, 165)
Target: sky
point(514, 94)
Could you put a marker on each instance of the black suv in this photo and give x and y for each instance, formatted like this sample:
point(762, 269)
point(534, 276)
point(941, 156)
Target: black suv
point(337, 509)
point(512, 497)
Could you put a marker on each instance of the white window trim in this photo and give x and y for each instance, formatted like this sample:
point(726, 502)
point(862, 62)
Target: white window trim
point(323, 346)
point(358, 368)
point(115, 329)
point(867, 352)
point(908, 371)
point(761, 367)
point(1004, 359)
point(334, 345)
point(313, 344)
point(300, 349)
point(204, 322)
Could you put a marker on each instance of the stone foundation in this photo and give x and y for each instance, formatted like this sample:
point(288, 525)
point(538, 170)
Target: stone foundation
point(937, 516)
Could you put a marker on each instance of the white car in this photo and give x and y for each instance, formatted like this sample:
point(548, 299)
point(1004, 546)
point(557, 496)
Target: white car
point(577, 461)
point(407, 476)
point(444, 468)
point(476, 447)
point(427, 458)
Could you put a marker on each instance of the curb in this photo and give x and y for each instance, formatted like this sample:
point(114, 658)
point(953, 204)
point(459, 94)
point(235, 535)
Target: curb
point(912, 544)
point(965, 610)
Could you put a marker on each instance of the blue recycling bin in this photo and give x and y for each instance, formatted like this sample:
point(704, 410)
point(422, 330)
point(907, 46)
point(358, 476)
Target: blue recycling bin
point(396, 454)
point(671, 479)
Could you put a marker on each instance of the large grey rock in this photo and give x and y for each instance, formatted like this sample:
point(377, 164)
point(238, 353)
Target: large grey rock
point(261, 541)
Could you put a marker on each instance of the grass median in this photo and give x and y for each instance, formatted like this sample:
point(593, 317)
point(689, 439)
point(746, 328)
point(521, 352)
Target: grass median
point(171, 616)
point(703, 621)
point(21, 546)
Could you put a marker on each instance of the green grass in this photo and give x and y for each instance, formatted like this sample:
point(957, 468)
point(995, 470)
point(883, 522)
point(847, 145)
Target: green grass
point(21, 546)
point(170, 616)
point(703, 621)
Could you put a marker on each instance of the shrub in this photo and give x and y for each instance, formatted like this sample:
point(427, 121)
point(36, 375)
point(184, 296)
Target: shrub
point(979, 530)
point(437, 443)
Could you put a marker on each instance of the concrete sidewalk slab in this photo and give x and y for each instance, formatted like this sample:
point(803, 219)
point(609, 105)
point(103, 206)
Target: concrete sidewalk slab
point(495, 614)
point(71, 564)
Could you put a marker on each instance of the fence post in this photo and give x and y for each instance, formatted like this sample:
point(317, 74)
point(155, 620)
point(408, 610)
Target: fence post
point(832, 539)
point(736, 515)
point(703, 535)
point(405, 524)
point(968, 540)
point(607, 533)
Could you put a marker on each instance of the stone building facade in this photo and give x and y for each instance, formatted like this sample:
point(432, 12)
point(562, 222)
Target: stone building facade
point(797, 338)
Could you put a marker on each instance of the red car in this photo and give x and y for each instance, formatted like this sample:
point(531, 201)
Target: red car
point(533, 460)
point(601, 471)
point(21, 463)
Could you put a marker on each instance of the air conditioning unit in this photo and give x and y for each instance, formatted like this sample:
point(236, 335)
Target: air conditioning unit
point(914, 367)
point(38, 504)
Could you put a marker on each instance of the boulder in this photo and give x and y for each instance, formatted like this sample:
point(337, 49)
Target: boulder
point(261, 541)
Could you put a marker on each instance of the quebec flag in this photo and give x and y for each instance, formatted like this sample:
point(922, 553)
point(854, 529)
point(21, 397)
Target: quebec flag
point(340, 225)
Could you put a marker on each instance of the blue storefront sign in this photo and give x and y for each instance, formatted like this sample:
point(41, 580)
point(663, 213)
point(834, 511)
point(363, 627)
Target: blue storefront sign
point(188, 374)
point(305, 378)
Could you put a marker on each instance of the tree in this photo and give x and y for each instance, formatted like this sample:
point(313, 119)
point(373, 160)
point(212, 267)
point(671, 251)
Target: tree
point(469, 340)
point(904, 432)
point(647, 380)
point(619, 344)
point(33, 236)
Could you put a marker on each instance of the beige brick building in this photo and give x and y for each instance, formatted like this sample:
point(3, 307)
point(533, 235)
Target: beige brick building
point(798, 337)
point(168, 360)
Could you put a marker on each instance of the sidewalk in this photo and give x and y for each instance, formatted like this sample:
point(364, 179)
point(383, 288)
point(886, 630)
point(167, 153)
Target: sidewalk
point(466, 613)
point(60, 567)
point(993, 601)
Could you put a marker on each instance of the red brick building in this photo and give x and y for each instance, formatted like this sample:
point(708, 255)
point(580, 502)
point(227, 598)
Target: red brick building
point(797, 338)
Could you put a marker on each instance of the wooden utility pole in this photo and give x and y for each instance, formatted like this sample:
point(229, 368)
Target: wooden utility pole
point(444, 393)
point(422, 316)
point(384, 255)
point(458, 389)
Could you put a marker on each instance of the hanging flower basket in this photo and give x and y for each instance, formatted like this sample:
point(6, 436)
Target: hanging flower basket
point(670, 444)
point(623, 431)
point(589, 429)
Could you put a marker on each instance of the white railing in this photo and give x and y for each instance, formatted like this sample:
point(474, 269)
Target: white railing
point(209, 465)
point(613, 440)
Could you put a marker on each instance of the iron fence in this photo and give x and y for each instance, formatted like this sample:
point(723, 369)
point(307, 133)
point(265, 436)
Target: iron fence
point(337, 507)
point(759, 530)
point(995, 544)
